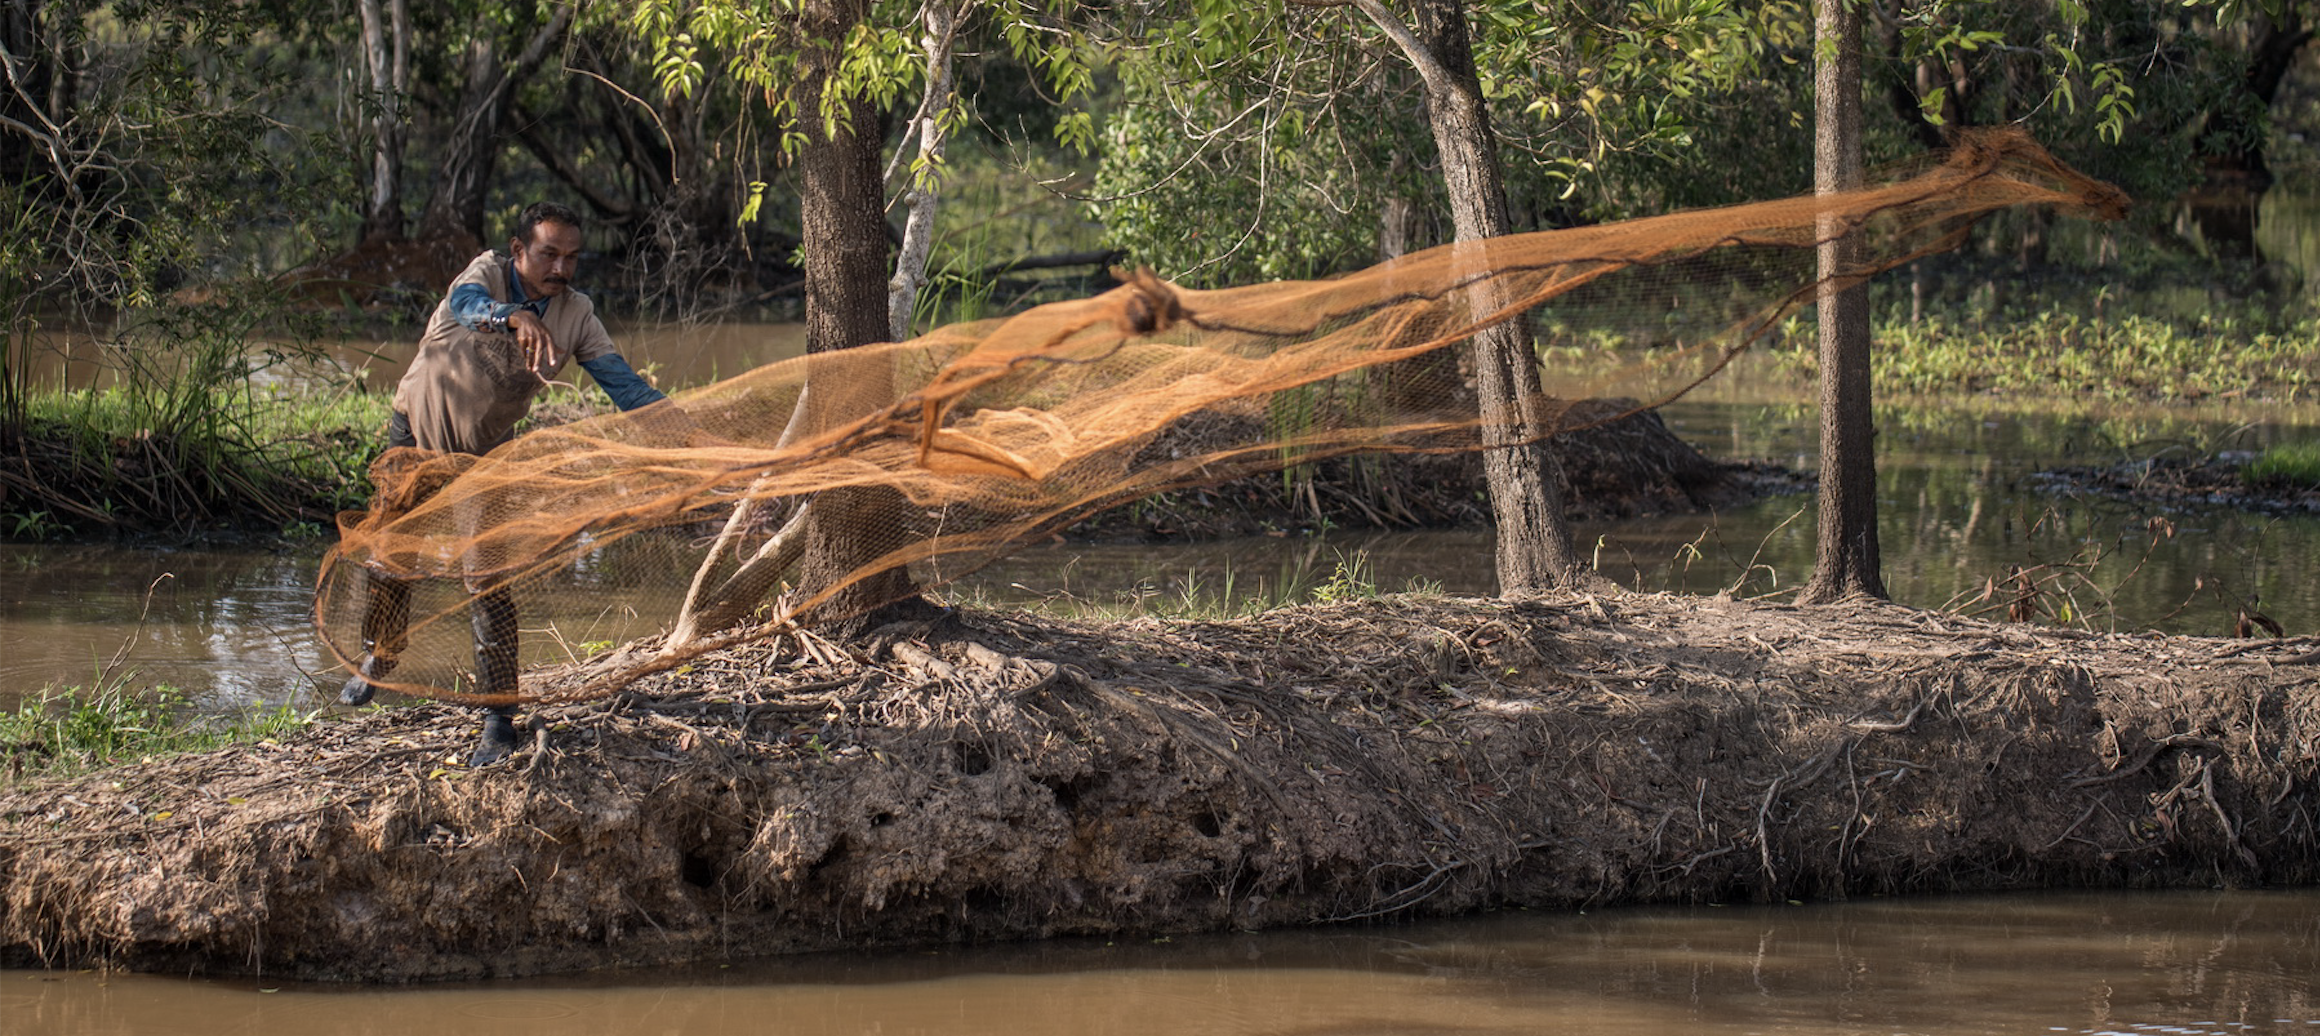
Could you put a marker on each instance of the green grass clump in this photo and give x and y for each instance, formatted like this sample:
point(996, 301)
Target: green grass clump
point(105, 460)
point(2291, 463)
point(221, 412)
point(70, 731)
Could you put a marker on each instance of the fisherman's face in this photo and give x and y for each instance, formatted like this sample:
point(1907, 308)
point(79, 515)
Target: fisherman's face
point(546, 262)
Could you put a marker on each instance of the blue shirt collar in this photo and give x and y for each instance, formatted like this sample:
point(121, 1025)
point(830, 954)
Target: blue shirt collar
point(517, 297)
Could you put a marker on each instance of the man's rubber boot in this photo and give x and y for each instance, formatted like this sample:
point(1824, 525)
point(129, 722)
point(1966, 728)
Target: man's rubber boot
point(358, 688)
point(499, 736)
point(386, 614)
point(492, 617)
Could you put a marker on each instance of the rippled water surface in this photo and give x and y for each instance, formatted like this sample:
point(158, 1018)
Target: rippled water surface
point(2181, 964)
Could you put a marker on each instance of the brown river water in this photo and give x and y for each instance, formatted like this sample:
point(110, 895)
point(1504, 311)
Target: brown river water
point(2093, 964)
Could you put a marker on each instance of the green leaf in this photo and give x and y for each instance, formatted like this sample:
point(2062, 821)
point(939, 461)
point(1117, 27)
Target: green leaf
point(1930, 105)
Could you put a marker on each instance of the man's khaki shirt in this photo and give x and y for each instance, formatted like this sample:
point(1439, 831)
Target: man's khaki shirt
point(466, 389)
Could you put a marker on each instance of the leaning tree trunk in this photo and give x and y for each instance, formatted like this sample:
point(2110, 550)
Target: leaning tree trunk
point(2226, 203)
point(1845, 562)
point(1525, 479)
point(842, 204)
point(2232, 142)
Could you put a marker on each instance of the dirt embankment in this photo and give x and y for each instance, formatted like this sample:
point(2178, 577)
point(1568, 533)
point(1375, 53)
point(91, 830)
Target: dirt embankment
point(1627, 465)
point(998, 777)
point(2216, 481)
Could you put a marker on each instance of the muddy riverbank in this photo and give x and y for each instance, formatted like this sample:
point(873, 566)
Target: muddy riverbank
point(1626, 464)
point(2181, 482)
point(998, 777)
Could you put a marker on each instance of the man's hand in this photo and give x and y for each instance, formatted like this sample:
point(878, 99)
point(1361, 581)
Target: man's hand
point(532, 337)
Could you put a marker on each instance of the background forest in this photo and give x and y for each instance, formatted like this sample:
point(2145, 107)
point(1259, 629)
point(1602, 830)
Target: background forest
point(179, 180)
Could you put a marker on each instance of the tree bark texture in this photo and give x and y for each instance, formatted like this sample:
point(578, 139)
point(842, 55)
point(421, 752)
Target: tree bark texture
point(387, 55)
point(1845, 560)
point(1534, 549)
point(842, 206)
point(942, 24)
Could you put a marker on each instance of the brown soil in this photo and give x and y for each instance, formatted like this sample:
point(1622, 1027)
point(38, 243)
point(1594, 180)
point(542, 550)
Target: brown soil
point(2188, 482)
point(1002, 777)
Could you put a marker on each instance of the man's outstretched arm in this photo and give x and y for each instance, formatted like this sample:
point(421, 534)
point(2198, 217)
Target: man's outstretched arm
point(627, 388)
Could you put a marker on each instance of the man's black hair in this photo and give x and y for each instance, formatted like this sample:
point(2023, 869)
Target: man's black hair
point(540, 212)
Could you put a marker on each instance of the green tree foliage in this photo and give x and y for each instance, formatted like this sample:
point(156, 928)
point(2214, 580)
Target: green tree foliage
point(692, 43)
point(1229, 112)
point(139, 147)
point(1287, 170)
point(1289, 140)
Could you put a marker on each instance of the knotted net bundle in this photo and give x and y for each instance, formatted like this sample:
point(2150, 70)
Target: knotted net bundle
point(821, 487)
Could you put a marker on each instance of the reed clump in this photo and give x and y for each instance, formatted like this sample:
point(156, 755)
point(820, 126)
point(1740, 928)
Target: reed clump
point(193, 428)
point(2291, 464)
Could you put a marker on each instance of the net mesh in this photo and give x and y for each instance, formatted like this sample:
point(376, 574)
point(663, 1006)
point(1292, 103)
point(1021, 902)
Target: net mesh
point(681, 525)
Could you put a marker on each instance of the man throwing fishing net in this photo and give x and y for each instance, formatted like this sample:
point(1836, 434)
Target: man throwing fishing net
point(506, 329)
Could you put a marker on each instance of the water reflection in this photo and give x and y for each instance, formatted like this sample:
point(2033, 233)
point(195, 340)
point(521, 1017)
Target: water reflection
point(233, 627)
point(2085, 963)
point(228, 625)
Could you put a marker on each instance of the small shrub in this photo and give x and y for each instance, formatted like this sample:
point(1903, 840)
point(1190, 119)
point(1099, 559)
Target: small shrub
point(1352, 581)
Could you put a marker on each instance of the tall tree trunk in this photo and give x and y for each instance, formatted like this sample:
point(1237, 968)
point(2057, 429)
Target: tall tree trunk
point(387, 54)
point(38, 158)
point(942, 26)
point(1534, 550)
point(842, 203)
point(1845, 561)
point(456, 200)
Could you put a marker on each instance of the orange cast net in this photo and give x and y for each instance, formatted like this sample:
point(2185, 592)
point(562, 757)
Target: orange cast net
point(933, 456)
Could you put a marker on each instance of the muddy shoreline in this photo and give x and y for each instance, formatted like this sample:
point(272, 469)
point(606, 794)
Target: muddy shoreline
point(1626, 465)
point(995, 776)
point(2181, 482)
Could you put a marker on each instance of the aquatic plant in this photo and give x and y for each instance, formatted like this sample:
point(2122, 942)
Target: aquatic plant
point(2295, 463)
point(2133, 358)
point(1350, 581)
